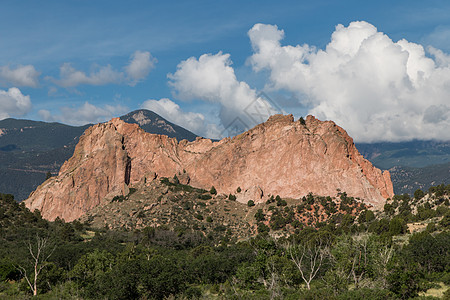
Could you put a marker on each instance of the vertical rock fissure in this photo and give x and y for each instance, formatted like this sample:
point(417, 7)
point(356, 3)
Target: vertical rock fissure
point(128, 171)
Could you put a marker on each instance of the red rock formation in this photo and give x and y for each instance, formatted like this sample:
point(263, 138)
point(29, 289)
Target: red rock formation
point(278, 157)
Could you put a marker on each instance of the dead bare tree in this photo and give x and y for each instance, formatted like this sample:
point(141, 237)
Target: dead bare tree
point(40, 252)
point(360, 259)
point(382, 260)
point(309, 257)
point(273, 285)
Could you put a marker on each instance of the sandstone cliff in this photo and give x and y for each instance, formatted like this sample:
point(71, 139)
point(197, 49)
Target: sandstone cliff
point(278, 157)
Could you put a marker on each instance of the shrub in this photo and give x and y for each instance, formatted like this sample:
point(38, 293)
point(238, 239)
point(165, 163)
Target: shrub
point(419, 194)
point(250, 203)
point(204, 197)
point(302, 121)
point(280, 202)
point(260, 216)
point(118, 198)
point(220, 228)
point(263, 228)
point(231, 197)
point(389, 209)
point(397, 226)
point(213, 191)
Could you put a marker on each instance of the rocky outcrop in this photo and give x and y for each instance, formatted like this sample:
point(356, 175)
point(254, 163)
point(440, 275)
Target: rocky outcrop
point(278, 157)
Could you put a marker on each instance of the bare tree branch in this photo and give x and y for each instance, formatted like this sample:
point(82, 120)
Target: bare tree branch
point(40, 255)
point(309, 258)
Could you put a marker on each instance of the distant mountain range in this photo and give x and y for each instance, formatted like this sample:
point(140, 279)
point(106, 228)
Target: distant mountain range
point(413, 165)
point(415, 154)
point(30, 149)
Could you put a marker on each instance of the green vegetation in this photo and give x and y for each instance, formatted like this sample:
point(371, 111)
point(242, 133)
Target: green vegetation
point(213, 191)
point(318, 248)
point(302, 121)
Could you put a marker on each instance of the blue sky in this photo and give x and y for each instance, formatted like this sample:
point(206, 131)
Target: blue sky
point(196, 63)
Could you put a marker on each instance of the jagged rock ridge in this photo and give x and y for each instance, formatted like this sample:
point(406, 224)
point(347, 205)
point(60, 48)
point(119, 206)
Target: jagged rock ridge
point(278, 157)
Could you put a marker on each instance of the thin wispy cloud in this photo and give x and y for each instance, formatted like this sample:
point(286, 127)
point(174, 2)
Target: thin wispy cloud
point(19, 76)
point(84, 114)
point(140, 65)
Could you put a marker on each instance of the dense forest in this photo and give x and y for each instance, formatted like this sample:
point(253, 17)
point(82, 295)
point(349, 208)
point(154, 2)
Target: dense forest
point(402, 252)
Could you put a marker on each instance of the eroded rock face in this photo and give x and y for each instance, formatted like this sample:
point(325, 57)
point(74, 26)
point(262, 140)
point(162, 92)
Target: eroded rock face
point(278, 157)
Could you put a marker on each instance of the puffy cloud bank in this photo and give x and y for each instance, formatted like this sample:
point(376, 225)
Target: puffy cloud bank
point(13, 103)
point(141, 63)
point(377, 89)
point(211, 78)
point(194, 122)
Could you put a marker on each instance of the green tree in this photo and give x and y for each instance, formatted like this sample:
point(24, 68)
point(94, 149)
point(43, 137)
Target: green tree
point(175, 179)
point(213, 191)
point(260, 216)
point(48, 175)
point(389, 209)
point(431, 253)
point(366, 216)
point(419, 194)
point(231, 197)
point(404, 282)
point(92, 265)
point(263, 228)
point(397, 226)
point(302, 121)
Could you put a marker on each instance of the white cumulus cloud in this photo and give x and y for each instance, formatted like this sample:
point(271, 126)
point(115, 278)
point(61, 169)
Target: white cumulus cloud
point(84, 114)
point(376, 88)
point(13, 103)
point(194, 122)
point(20, 76)
point(138, 68)
point(211, 78)
point(141, 63)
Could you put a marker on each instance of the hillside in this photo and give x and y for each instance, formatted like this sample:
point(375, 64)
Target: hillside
point(183, 246)
point(278, 157)
point(167, 203)
point(415, 154)
point(409, 179)
point(413, 165)
point(30, 149)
